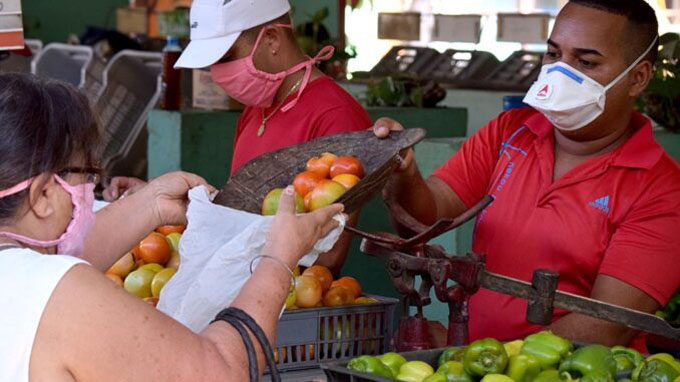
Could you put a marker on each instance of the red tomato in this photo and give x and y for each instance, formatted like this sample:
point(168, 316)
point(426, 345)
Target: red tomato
point(338, 295)
point(328, 158)
point(320, 167)
point(347, 165)
point(322, 274)
point(305, 182)
point(350, 283)
point(155, 249)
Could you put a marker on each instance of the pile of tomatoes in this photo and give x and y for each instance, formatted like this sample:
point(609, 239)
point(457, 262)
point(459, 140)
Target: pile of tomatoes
point(325, 179)
point(315, 287)
point(146, 269)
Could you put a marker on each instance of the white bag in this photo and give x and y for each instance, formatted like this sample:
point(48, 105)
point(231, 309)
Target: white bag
point(216, 251)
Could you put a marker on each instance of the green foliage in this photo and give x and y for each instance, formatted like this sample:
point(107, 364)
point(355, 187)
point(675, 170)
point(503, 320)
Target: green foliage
point(661, 99)
point(395, 92)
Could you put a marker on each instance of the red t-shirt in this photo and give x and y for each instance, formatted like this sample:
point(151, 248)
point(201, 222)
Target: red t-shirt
point(323, 109)
point(615, 215)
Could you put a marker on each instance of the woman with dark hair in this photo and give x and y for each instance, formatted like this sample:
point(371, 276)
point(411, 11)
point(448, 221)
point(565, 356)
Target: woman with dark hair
point(62, 319)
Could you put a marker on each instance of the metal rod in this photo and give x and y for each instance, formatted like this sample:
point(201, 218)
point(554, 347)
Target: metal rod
point(584, 305)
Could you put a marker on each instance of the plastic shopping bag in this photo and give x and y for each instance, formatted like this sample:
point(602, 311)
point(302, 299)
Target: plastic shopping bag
point(216, 251)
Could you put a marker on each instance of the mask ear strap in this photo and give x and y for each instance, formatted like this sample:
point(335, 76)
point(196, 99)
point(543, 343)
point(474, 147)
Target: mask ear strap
point(639, 59)
point(263, 30)
point(16, 189)
point(324, 54)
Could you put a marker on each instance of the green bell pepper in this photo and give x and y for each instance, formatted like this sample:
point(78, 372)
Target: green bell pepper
point(454, 372)
point(669, 359)
point(626, 359)
point(513, 347)
point(414, 371)
point(655, 370)
point(588, 360)
point(597, 376)
point(523, 368)
point(451, 354)
point(486, 356)
point(672, 308)
point(547, 348)
point(370, 364)
point(550, 375)
point(496, 378)
point(393, 361)
point(435, 378)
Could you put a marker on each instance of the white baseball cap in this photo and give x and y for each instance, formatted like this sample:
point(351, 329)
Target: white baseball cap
point(216, 24)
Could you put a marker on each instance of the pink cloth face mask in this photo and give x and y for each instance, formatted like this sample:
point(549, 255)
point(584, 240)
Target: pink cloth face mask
point(242, 81)
point(72, 241)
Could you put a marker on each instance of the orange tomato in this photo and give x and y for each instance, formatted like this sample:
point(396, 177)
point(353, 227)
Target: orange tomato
point(319, 166)
point(347, 180)
point(308, 291)
point(328, 158)
point(155, 249)
point(338, 295)
point(305, 182)
point(347, 165)
point(168, 229)
point(350, 283)
point(322, 274)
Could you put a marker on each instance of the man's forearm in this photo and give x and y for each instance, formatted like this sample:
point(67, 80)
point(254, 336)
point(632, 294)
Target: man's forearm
point(335, 258)
point(586, 329)
point(410, 191)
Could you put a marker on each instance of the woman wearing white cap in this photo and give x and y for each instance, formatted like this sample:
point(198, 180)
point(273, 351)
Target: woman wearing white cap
point(62, 320)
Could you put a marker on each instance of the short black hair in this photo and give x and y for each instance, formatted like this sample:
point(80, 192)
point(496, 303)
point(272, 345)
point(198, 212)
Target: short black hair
point(643, 25)
point(46, 126)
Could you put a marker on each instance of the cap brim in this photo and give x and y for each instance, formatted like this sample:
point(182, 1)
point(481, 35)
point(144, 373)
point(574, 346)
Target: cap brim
point(203, 53)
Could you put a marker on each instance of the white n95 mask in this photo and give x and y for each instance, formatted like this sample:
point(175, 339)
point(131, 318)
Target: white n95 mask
point(569, 98)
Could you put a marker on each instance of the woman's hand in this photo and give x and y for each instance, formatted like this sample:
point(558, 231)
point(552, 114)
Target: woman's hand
point(122, 186)
point(292, 236)
point(169, 195)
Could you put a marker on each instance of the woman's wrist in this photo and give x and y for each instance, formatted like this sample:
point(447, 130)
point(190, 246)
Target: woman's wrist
point(289, 259)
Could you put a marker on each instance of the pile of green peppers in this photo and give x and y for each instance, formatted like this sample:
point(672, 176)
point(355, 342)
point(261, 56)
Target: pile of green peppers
point(540, 357)
point(671, 312)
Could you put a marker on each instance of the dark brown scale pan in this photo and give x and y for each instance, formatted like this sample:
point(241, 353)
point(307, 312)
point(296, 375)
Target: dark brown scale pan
point(250, 184)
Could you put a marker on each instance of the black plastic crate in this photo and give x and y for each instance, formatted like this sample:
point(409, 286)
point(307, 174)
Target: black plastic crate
point(462, 67)
point(405, 60)
point(517, 73)
point(307, 337)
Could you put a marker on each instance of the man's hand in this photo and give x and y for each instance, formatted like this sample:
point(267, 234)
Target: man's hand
point(292, 236)
point(121, 186)
point(382, 129)
point(169, 195)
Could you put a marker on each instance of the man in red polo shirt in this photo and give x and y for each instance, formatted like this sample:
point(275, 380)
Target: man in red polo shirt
point(579, 187)
point(254, 56)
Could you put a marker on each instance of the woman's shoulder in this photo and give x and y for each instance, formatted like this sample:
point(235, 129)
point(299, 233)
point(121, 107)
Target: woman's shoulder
point(33, 273)
point(13, 260)
point(27, 280)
